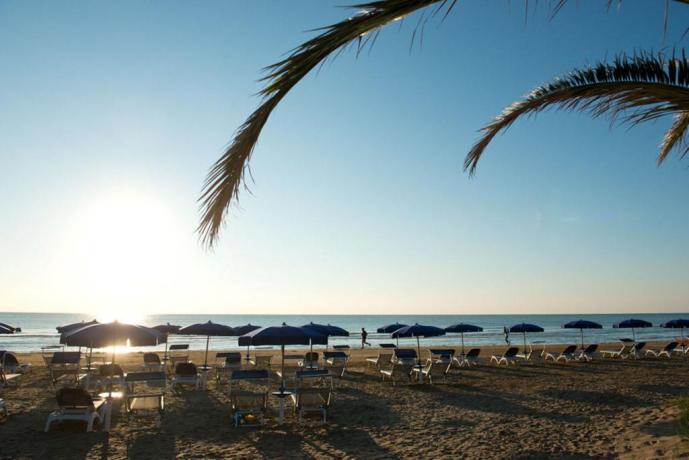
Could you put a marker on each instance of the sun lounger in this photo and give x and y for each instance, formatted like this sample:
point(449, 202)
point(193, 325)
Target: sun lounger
point(310, 360)
point(623, 351)
point(148, 403)
point(666, 351)
point(10, 363)
point(564, 355)
point(7, 379)
point(249, 396)
point(440, 355)
point(47, 352)
point(109, 375)
point(231, 361)
point(336, 362)
point(528, 355)
point(397, 371)
point(433, 370)
point(508, 357)
point(405, 356)
point(470, 359)
point(153, 363)
point(588, 353)
point(77, 404)
point(635, 351)
point(65, 365)
point(186, 374)
point(312, 401)
point(261, 361)
point(384, 357)
point(178, 354)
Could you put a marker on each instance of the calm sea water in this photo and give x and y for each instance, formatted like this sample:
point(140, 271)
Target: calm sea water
point(38, 329)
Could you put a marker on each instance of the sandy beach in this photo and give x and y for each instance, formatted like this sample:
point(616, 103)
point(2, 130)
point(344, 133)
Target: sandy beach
point(601, 409)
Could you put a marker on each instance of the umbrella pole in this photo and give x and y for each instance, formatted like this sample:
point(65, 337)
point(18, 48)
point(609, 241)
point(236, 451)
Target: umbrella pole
point(205, 359)
point(282, 370)
point(462, 343)
point(418, 348)
point(248, 358)
point(525, 342)
point(167, 337)
point(582, 338)
point(633, 335)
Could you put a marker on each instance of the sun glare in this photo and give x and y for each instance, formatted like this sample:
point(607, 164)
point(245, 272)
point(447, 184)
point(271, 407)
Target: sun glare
point(121, 248)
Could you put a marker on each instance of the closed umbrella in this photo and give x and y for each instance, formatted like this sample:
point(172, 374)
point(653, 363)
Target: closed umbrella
point(4, 330)
point(390, 328)
point(101, 335)
point(679, 323)
point(418, 330)
point(241, 330)
point(581, 325)
point(523, 328)
point(208, 329)
point(282, 335)
point(461, 328)
point(632, 324)
point(167, 329)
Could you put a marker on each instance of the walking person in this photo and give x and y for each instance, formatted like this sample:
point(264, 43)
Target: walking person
point(364, 335)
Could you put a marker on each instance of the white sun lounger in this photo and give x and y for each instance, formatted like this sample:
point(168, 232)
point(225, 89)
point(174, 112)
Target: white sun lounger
point(77, 404)
point(564, 355)
point(666, 351)
point(507, 358)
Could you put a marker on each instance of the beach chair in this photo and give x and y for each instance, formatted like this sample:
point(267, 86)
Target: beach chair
point(433, 369)
point(470, 359)
point(621, 353)
point(249, 396)
point(230, 361)
point(588, 353)
point(528, 355)
point(47, 352)
point(186, 374)
point(146, 404)
point(6, 379)
point(564, 355)
point(384, 357)
point(153, 363)
point(261, 361)
point(635, 351)
point(10, 363)
point(405, 356)
point(336, 362)
point(77, 404)
point(397, 371)
point(312, 401)
point(65, 367)
point(310, 360)
point(179, 353)
point(440, 355)
point(666, 351)
point(508, 357)
point(109, 375)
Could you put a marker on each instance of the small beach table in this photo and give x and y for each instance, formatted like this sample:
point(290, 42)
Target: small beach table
point(281, 395)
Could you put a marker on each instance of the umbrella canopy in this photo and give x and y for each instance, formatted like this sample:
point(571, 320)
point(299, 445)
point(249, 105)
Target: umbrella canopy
point(523, 328)
point(208, 329)
point(75, 326)
point(11, 328)
point(581, 325)
point(679, 323)
point(328, 330)
point(241, 330)
point(461, 328)
point(4, 330)
point(167, 328)
point(282, 335)
point(102, 335)
point(390, 328)
point(632, 324)
point(418, 330)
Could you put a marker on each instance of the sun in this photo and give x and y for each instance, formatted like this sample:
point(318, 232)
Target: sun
point(122, 250)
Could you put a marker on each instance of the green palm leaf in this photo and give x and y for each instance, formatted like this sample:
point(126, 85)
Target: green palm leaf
point(634, 89)
point(226, 177)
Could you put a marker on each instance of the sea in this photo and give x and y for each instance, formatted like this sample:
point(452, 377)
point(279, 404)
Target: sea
point(38, 329)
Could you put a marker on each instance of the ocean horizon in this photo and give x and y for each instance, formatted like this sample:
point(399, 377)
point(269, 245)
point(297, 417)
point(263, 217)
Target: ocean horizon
point(38, 329)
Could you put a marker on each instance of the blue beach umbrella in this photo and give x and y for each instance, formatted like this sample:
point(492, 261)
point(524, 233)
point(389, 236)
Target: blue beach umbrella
point(208, 329)
point(632, 324)
point(523, 328)
point(328, 330)
point(74, 326)
point(11, 328)
point(167, 329)
point(418, 330)
point(282, 335)
point(241, 330)
point(390, 328)
point(461, 328)
point(4, 330)
point(581, 325)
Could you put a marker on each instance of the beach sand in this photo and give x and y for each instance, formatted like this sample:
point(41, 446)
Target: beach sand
point(602, 409)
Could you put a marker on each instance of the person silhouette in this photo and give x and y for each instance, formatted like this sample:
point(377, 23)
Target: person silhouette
point(364, 335)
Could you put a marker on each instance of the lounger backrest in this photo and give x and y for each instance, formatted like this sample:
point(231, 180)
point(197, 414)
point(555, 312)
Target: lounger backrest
point(312, 373)
point(473, 353)
point(151, 358)
point(314, 397)
point(444, 352)
point(8, 358)
point(405, 353)
point(74, 397)
point(66, 357)
point(387, 345)
point(511, 352)
point(335, 355)
point(229, 354)
point(639, 346)
point(106, 370)
point(569, 350)
point(179, 346)
point(249, 375)
point(185, 369)
point(670, 346)
point(591, 349)
point(311, 357)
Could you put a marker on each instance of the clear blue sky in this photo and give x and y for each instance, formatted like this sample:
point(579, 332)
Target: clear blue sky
point(111, 114)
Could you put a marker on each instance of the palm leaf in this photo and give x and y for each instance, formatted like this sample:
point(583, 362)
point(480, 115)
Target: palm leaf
point(225, 179)
point(634, 89)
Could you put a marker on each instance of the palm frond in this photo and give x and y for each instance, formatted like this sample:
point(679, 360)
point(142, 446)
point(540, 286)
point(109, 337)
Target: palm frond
point(226, 177)
point(634, 89)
